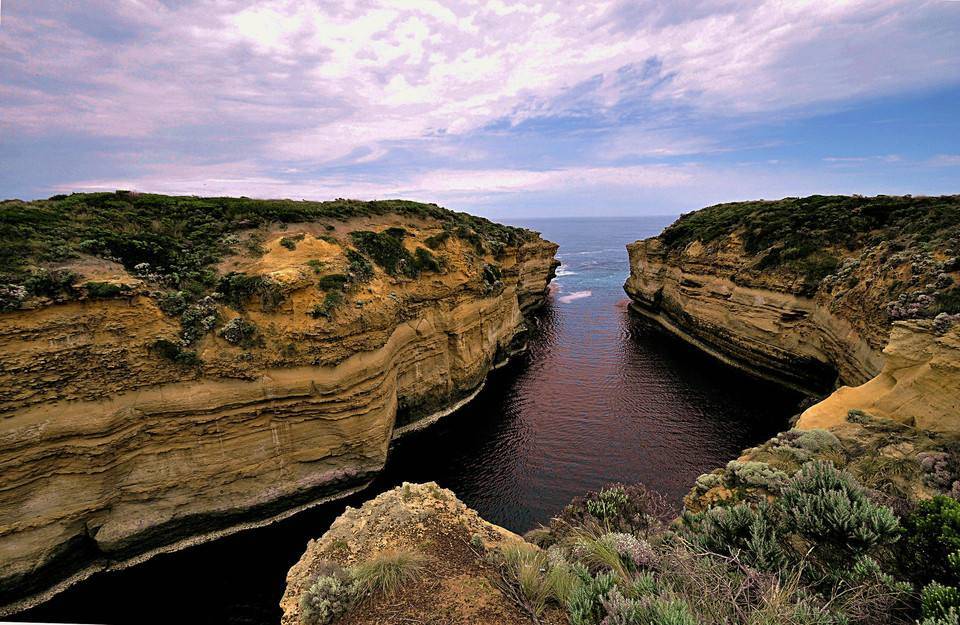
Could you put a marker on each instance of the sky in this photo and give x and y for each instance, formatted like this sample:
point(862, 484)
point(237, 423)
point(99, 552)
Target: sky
point(505, 109)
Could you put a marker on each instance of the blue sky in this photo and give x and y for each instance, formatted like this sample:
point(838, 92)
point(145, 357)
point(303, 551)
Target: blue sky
point(531, 109)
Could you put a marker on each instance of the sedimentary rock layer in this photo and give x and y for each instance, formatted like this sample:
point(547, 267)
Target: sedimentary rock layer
point(919, 384)
point(773, 332)
point(109, 452)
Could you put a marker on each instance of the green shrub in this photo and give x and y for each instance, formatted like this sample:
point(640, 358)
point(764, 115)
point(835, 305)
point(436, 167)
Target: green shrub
point(755, 534)
point(198, 319)
point(666, 612)
point(238, 288)
point(330, 303)
point(805, 445)
point(173, 303)
point(181, 238)
point(12, 296)
point(492, 275)
point(359, 267)
point(608, 503)
point(54, 283)
point(436, 241)
point(423, 260)
point(948, 301)
point(330, 596)
point(316, 265)
point(828, 508)
point(952, 618)
point(631, 509)
point(931, 535)
point(174, 352)
point(585, 606)
point(471, 237)
point(239, 331)
point(754, 474)
point(291, 242)
point(938, 600)
point(387, 251)
point(333, 281)
point(821, 506)
point(104, 290)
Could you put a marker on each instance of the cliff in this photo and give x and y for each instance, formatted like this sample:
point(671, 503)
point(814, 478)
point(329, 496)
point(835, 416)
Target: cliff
point(203, 365)
point(802, 291)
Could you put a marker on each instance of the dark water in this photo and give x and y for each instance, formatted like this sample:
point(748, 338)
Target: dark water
point(601, 396)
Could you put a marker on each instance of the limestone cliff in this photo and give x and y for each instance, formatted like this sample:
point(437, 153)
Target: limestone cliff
point(135, 417)
point(919, 384)
point(801, 291)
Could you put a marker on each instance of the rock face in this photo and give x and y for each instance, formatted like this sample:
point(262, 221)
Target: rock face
point(809, 292)
point(919, 384)
point(427, 520)
point(766, 328)
point(112, 449)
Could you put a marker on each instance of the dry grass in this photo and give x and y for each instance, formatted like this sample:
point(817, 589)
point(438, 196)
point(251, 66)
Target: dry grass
point(389, 570)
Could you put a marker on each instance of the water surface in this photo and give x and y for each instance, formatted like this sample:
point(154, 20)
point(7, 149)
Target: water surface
point(601, 396)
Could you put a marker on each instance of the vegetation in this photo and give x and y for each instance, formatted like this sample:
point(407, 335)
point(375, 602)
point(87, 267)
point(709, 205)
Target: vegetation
point(330, 302)
point(104, 290)
point(798, 226)
point(238, 289)
point(387, 571)
point(335, 590)
point(239, 331)
point(332, 593)
point(179, 238)
point(809, 236)
point(822, 551)
point(291, 242)
point(174, 352)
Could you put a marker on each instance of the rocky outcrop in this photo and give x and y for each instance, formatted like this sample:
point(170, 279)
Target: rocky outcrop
point(918, 386)
point(117, 443)
point(463, 586)
point(818, 293)
point(762, 326)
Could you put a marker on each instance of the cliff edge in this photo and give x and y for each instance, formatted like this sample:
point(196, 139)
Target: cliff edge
point(805, 290)
point(173, 368)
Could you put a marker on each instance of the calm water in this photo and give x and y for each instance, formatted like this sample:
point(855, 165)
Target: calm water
point(601, 396)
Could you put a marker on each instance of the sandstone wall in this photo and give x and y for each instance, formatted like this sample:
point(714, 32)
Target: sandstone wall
point(764, 327)
point(919, 384)
point(110, 454)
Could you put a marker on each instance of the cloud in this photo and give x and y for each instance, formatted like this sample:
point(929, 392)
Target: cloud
point(945, 160)
point(241, 178)
point(514, 90)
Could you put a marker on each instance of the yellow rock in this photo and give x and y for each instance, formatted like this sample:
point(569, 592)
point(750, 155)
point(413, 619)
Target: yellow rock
point(111, 453)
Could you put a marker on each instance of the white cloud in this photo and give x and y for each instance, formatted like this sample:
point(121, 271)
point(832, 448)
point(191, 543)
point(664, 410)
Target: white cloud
point(456, 65)
point(241, 178)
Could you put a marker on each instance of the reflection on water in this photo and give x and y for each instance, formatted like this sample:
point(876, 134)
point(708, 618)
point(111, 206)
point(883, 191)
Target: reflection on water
point(601, 396)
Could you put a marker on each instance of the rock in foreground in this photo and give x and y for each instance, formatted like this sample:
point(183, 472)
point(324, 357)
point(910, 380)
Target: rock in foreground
point(458, 584)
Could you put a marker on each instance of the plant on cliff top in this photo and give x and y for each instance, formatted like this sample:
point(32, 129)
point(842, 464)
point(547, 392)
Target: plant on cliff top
point(180, 236)
point(631, 509)
point(387, 571)
point(331, 595)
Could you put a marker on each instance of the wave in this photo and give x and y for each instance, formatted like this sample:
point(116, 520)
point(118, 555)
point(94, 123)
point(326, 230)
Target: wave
point(566, 299)
point(563, 272)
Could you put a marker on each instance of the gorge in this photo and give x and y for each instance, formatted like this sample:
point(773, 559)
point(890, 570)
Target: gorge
point(813, 293)
point(860, 296)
